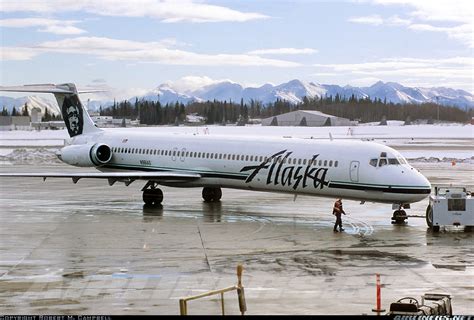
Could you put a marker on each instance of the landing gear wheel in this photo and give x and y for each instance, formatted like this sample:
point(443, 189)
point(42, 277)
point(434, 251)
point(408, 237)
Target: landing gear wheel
point(152, 196)
point(211, 194)
point(399, 216)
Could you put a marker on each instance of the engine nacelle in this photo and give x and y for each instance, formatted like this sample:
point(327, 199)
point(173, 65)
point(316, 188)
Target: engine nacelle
point(86, 155)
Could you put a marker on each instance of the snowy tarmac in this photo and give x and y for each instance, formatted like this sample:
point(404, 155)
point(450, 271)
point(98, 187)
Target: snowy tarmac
point(94, 249)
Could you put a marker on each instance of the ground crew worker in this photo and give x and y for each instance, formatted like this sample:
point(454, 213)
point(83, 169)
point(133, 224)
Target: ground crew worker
point(338, 211)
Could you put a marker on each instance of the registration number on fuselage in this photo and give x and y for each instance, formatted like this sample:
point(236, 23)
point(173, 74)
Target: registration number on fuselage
point(145, 162)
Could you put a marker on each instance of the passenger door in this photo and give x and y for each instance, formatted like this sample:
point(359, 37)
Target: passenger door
point(354, 171)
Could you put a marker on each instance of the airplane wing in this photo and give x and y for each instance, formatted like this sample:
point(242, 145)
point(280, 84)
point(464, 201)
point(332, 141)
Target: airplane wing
point(112, 177)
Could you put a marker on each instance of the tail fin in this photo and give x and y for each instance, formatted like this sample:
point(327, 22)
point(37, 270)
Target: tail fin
point(74, 114)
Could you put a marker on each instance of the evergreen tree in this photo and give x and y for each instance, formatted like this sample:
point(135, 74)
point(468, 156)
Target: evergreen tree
point(24, 111)
point(5, 112)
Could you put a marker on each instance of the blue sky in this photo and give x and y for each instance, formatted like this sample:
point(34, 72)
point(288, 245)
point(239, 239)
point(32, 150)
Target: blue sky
point(133, 46)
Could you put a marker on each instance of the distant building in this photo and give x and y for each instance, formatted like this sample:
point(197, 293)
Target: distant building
point(108, 121)
point(194, 119)
point(306, 118)
point(14, 123)
point(36, 115)
point(49, 125)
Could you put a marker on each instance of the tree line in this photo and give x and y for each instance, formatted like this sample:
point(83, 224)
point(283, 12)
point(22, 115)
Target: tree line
point(222, 112)
point(47, 116)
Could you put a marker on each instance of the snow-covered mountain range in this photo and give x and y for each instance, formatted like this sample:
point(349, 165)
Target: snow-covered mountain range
point(292, 91)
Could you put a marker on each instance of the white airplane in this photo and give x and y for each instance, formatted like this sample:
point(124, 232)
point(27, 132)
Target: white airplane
point(357, 170)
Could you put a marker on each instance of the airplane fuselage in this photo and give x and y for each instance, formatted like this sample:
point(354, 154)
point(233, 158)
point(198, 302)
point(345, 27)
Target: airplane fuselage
point(358, 170)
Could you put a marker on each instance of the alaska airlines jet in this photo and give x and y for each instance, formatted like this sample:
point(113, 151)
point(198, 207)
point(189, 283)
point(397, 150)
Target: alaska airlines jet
point(358, 170)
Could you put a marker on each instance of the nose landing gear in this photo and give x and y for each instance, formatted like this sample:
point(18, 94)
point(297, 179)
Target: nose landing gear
point(399, 216)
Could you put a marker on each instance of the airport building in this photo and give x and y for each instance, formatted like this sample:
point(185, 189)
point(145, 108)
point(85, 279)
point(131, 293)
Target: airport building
point(306, 118)
point(8, 123)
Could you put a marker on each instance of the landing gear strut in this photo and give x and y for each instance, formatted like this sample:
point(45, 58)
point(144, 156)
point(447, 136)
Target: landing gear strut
point(211, 194)
point(399, 216)
point(152, 195)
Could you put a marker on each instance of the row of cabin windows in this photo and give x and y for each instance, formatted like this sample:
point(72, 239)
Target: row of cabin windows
point(224, 156)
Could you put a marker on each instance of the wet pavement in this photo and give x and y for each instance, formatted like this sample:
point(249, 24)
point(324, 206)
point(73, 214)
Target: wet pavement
point(94, 249)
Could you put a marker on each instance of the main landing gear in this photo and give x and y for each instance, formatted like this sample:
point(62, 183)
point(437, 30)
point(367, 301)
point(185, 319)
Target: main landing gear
point(152, 195)
point(211, 194)
point(399, 216)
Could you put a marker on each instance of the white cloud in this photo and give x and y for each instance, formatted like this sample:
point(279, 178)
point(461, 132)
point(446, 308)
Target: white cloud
point(16, 53)
point(397, 21)
point(463, 33)
point(364, 82)
point(424, 13)
point(283, 51)
point(374, 20)
point(190, 83)
point(455, 69)
point(63, 27)
point(167, 11)
point(146, 52)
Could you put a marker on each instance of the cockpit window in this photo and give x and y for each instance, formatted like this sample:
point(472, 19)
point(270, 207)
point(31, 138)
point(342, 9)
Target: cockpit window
point(393, 161)
point(402, 160)
point(384, 160)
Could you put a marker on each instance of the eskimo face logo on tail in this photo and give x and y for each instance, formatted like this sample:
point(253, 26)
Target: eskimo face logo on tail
point(72, 115)
point(292, 176)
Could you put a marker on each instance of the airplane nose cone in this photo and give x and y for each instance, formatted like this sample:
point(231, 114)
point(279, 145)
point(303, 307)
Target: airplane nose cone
point(424, 185)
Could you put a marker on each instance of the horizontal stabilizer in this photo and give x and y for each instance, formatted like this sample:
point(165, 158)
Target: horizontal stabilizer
point(48, 88)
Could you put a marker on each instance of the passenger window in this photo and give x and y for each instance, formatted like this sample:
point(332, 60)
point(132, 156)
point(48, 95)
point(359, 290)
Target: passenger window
point(299, 161)
point(382, 162)
point(325, 163)
point(304, 161)
point(320, 163)
point(335, 163)
point(330, 163)
point(373, 162)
